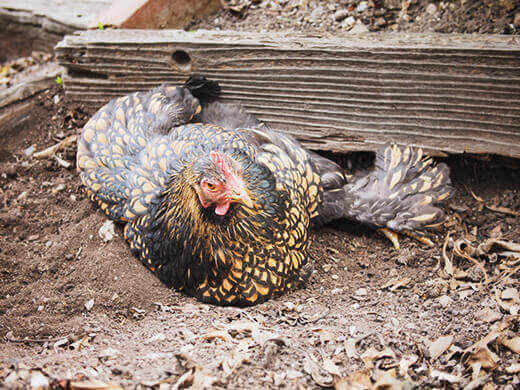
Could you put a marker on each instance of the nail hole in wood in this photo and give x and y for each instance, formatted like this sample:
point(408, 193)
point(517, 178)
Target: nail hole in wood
point(181, 60)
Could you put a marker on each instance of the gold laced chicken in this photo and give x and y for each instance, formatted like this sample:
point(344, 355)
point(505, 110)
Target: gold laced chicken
point(219, 205)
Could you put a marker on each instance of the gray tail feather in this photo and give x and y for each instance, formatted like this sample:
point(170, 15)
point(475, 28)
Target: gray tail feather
point(400, 193)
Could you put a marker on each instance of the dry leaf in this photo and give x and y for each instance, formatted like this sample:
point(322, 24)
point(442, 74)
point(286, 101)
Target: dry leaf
point(445, 377)
point(330, 367)
point(484, 358)
point(394, 284)
point(325, 335)
point(93, 385)
point(372, 354)
point(358, 380)
point(513, 344)
point(487, 315)
point(216, 334)
point(350, 348)
point(498, 209)
point(503, 210)
point(386, 381)
point(312, 368)
point(513, 368)
point(233, 361)
point(439, 346)
point(498, 246)
point(406, 362)
point(38, 381)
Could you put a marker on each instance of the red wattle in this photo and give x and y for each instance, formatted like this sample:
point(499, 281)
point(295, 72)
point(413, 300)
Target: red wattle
point(222, 208)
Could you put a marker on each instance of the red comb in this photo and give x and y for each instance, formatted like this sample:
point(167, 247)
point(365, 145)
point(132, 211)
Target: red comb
point(219, 160)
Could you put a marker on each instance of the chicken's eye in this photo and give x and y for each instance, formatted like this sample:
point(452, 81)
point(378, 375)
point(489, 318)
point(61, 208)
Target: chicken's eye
point(211, 186)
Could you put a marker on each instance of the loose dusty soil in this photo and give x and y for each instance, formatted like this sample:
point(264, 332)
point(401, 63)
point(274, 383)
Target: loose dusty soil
point(76, 307)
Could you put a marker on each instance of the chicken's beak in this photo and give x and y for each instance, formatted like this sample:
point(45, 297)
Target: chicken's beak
point(240, 195)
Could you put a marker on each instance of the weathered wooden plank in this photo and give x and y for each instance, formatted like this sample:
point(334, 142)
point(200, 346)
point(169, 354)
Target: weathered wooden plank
point(446, 93)
point(39, 24)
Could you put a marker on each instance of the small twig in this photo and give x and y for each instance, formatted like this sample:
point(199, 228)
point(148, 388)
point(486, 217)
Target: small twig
point(506, 274)
point(474, 261)
point(52, 150)
point(448, 265)
point(37, 341)
point(497, 209)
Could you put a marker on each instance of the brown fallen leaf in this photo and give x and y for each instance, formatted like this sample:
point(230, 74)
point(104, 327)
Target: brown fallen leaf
point(350, 348)
point(358, 380)
point(406, 362)
point(93, 385)
point(494, 245)
point(513, 368)
point(325, 335)
point(445, 377)
point(330, 367)
point(394, 284)
point(372, 354)
point(508, 302)
point(513, 344)
point(230, 363)
point(216, 334)
point(487, 315)
point(484, 358)
point(317, 373)
point(438, 347)
point(385, 380)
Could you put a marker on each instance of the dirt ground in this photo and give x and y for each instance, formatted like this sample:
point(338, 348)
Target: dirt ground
point(338, 16)
point(74, 307)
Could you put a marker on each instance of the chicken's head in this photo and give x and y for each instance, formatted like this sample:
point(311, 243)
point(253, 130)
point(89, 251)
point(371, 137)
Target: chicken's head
point(221, 184)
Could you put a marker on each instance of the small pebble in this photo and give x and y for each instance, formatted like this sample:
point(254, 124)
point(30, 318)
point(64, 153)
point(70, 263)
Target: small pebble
point(38, 381)
point(349, 21)
point(509, 293)
point(106, 231)
point(431, 9)
point(29, 151)
point(361, 291)
point(445, 301)
point(359, 28)
point(89, 304)
point(22, 196)
point(516, 20)
point(362, 7)
point(340, 15)
point(10, 171)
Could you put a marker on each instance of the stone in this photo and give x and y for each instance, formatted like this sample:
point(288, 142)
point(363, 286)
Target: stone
point(431, 9)
point(340, 15)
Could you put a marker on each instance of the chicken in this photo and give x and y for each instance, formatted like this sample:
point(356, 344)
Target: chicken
point(219, 206)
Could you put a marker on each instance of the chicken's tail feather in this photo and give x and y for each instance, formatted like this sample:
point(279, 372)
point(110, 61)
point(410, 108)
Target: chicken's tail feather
point(401, 193)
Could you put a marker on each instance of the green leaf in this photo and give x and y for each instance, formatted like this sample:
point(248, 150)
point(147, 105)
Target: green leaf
point(59, 81)
point(100, 26)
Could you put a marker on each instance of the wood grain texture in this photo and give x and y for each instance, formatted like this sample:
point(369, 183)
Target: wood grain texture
point(29, 25)
point(446, 93)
